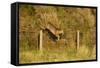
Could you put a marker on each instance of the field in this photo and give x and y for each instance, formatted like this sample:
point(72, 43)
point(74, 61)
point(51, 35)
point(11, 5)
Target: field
point(33, 18)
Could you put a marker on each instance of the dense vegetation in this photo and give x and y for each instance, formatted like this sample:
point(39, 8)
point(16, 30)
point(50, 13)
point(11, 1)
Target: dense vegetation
point(69, 19)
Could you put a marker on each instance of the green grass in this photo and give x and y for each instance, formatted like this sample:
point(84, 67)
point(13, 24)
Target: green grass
point(34, 56)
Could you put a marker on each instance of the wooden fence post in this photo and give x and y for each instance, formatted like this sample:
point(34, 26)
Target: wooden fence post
point(78, 32)
point(40, 41)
